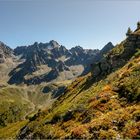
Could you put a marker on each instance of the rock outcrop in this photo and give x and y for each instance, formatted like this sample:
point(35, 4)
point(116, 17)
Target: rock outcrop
point(117, 57)
point(5, 52)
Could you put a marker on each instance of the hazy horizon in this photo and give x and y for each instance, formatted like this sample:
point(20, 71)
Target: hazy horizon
point(88, 23)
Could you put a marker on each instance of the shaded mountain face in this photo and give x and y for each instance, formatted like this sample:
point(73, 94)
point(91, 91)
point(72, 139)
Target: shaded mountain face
point(5, 52)
point(109, 46)
point(118, 56)
point(60, 62)
point(106, 48)
point(99, 56)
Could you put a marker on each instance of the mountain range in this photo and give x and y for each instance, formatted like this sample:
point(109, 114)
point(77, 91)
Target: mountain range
point(45, 62)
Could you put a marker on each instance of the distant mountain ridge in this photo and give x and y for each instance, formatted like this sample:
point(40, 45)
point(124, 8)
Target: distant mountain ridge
point(60, 62)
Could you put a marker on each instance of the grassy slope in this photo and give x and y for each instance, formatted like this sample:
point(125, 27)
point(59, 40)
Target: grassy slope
point(18, 102)
point(12, 130)
point(13, 105)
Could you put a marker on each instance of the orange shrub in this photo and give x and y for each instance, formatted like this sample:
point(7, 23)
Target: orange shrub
point(107, 88)
point(79, 132)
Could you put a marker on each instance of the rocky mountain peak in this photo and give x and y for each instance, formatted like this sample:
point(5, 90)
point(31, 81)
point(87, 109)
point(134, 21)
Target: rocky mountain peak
point(35, 44)
point(107, 47)
point(1, 43)
point(53, 44)
point(76, 49)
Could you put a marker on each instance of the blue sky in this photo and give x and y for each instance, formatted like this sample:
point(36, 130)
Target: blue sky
point(88, 23)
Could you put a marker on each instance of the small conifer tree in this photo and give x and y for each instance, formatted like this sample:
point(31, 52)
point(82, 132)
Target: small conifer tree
point(129, 31)
point(138, 25)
